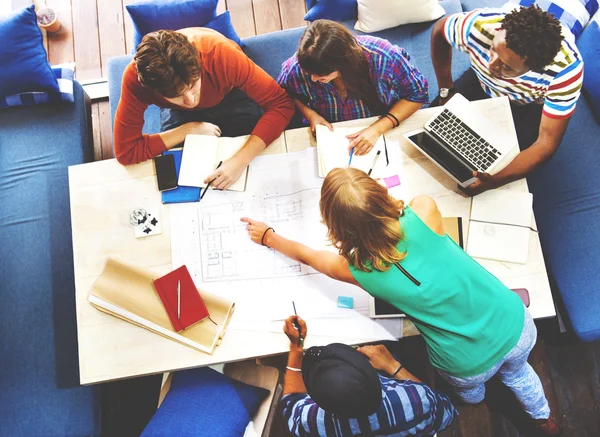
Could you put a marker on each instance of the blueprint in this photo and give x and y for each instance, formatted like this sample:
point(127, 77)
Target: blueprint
point(209, 238)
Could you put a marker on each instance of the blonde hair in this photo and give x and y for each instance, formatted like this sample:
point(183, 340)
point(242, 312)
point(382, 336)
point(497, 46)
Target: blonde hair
point(362, 219)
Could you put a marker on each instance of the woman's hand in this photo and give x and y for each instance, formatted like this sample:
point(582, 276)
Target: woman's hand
point(202, 128)
point(364, 140)
point(295, 329)
point(380, 358)
point(227, 174)
point(256, 230)
point(315, 119)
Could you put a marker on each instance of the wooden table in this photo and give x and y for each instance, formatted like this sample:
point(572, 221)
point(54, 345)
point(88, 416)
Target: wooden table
point(103, 194)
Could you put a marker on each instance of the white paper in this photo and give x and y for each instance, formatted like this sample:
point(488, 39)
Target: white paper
point(334, 152)
point(198, 160)
point(499, 226)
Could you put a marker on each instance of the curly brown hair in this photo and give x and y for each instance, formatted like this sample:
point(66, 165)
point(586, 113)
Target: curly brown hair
point(534, 35)
point(167, 62)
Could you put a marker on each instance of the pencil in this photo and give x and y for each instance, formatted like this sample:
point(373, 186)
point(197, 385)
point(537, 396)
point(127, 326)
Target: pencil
point(208, 185)
point(374, 162)
point(297, 326)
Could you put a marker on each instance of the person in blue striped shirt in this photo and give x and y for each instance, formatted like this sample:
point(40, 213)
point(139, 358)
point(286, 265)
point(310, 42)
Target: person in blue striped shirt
point(336, 391)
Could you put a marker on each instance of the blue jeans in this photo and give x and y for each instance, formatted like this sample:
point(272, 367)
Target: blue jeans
point(514, 371)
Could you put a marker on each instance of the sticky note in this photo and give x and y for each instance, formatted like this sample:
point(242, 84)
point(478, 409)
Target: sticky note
point(345, 302)
point(392, 181)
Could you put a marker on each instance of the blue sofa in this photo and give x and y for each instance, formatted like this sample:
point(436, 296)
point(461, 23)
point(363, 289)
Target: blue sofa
point(39, 378)
point(566, 200)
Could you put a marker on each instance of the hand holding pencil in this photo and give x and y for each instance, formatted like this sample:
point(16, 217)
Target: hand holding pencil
point(295, 329)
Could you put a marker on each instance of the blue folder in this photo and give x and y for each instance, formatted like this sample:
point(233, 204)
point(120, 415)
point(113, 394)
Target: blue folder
point(180, 194)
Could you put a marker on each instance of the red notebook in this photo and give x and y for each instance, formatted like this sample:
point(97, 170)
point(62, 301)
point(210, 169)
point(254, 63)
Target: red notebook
point(191, 305)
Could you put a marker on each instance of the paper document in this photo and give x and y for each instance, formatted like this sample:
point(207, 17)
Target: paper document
point(333, 151)
point(201, 156)
point(499, 227)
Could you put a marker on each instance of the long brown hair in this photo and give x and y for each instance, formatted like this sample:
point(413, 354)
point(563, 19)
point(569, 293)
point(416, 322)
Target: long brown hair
point(362, 219)
point(327, 46)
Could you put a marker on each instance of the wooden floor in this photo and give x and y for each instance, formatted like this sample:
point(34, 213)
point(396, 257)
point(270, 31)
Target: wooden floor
point(95, 30)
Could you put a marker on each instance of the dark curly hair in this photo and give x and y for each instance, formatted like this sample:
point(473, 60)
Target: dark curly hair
point(534, 35)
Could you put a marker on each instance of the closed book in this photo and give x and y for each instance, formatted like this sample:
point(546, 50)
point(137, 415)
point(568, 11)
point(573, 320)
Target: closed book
point(181, 194)
point(185, 308)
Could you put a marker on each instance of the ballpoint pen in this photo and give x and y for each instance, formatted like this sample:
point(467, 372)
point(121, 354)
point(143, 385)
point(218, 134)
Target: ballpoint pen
point(297, 326)
point(208, 185)
point(374, 162)
point(351, 155)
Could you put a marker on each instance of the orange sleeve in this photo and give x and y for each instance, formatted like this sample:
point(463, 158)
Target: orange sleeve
point(240, 72)
point(131, 146)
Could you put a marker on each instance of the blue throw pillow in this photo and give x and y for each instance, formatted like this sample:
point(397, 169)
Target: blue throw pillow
point(151, 15)
point(590, 51)
point(336, 10)
point(204, 402)
point(23, 58)
point(223, 25)
point(64, 76)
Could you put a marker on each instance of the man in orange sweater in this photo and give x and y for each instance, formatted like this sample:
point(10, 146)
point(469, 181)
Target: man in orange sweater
point(204, 84)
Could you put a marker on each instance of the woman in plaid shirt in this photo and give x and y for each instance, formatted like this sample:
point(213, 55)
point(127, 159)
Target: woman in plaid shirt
point(335, 76)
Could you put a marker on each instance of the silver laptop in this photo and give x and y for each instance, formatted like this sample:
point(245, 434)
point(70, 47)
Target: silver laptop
point(460, 141)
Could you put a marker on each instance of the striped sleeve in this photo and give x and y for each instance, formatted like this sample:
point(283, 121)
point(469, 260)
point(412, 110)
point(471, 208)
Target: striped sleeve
point(564, 91)
point(292, 80)
point(457, 29)
point(301, 414)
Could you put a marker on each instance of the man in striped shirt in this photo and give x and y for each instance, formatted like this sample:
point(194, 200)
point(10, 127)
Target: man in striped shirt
point(524, 54)
point(335, 391)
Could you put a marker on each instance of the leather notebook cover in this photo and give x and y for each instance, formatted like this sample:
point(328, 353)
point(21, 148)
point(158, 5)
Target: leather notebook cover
point(191, 307)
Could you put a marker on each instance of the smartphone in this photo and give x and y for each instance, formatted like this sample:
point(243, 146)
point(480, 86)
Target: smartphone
point(523, 294)
point(166, 177)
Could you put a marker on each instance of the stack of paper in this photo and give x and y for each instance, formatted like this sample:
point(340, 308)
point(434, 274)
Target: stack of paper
point(201, 156)
point(499, 227)
point(333, 151)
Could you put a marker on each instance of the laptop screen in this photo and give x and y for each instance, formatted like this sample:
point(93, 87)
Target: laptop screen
point(442, 156)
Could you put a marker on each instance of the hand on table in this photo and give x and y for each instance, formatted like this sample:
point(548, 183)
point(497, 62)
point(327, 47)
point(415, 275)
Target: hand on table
point(315, 119)
point(227, 174)
point(293, 333)
point(380, 358)
point(256, 230)
point(202, 128)
point(363, 141)
point(483, 183)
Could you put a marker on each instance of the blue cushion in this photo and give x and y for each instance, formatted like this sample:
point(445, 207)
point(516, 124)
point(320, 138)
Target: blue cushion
point(64, 76)
point(223, 25)
point(566, 197)
point(39, 385)
point(469, 5)
point(590, 51)
point(23, 57)
point(151, 15)
point(203, 402)
point(336, 10)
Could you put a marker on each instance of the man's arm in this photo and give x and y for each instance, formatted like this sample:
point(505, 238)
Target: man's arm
point(441, 55)
point(550, 135)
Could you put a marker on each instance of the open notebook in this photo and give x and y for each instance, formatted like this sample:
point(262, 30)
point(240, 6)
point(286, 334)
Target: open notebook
point(332, 150)
point(499, 227)
point(126, 291)
point(201, 156)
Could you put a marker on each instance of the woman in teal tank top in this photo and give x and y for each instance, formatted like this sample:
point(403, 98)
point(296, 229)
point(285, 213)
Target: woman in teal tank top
point(473, 325)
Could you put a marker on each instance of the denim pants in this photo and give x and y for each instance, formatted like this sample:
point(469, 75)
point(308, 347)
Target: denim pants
point(236, 115)
point(514, 371)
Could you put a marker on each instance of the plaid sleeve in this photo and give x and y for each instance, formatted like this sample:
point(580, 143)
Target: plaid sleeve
point(300, 413)
point(293, 81)
point(564, 91)
point(407, 82)
point(457, 29)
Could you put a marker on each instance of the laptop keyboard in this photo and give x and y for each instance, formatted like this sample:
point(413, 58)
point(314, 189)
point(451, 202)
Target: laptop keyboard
point(464, 140)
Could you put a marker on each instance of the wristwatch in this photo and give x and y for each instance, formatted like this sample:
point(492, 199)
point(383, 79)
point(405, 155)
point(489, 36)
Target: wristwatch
point(445, 92)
